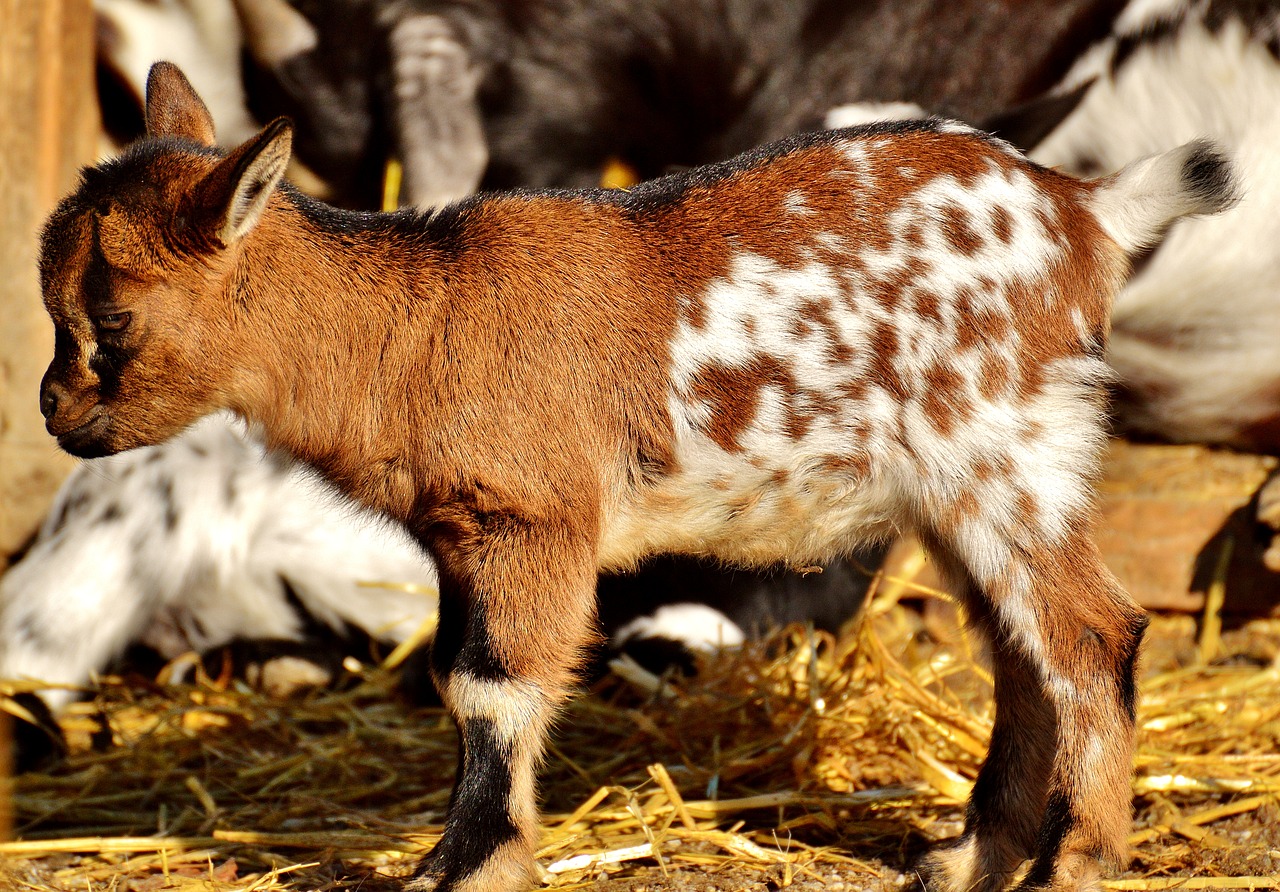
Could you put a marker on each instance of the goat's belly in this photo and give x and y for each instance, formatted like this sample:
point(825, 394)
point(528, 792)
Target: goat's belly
point(740, 510)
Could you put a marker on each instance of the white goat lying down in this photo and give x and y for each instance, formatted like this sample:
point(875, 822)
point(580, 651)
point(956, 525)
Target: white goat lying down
point(193, 544)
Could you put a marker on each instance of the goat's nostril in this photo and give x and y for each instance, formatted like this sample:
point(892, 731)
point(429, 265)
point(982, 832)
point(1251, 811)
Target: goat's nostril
point(48, 402)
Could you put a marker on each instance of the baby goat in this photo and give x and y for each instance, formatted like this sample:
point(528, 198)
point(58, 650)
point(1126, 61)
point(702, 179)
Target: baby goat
point(771, 358)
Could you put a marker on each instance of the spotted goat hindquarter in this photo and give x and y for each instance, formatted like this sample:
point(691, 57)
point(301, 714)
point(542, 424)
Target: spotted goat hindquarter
point(773, 358)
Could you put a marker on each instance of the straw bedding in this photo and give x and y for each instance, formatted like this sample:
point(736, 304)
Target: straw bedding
point(806, 762)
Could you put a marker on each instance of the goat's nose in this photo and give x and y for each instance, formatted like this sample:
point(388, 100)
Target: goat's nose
point(50, 396)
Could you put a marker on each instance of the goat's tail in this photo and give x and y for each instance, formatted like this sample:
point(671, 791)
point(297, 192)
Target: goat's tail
point(1137, 204)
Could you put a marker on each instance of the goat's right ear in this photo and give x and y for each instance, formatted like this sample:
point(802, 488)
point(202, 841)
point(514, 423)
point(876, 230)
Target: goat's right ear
point(232, 197)
point(173, 108)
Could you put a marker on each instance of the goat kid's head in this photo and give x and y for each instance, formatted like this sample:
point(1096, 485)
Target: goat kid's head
point(137, 267)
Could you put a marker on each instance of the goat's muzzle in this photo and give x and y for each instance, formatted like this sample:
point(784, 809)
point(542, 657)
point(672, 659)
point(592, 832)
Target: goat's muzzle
point(80, 426)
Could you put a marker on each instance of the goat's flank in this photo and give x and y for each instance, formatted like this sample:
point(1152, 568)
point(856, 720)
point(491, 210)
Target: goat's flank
point(772, 358)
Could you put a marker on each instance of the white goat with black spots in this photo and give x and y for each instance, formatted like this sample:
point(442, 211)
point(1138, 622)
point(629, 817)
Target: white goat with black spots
point(1195, 337)
point(195, 543)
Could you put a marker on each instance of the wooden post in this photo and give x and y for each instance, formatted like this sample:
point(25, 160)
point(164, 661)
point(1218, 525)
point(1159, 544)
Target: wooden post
point(49, 111)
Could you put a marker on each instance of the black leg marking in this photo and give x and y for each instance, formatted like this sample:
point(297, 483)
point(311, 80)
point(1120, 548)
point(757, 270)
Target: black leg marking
point(462, 642)
point(1058, 822)
point(479, 821)
point(1128, 668)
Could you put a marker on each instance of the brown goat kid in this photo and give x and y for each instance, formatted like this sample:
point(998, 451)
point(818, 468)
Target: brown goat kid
point(772, 358)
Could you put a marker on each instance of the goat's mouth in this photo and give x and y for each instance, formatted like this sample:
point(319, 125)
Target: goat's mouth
point(86, 440)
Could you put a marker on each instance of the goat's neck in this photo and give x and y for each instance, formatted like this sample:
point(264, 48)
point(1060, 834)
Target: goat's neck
point(334, 325)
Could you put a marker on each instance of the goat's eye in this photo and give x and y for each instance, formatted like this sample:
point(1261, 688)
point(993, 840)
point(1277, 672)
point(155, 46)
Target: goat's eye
point(112, 321)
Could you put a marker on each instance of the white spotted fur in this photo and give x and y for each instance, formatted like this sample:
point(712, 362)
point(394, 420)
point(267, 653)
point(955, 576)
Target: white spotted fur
point(747, 314)
point(243, 521)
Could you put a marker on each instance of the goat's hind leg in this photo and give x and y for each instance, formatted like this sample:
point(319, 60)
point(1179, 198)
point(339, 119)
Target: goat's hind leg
point(1092, 631)
point(1007, 801)
point(1008, 798)
point(1056, 782)
point(517, 610)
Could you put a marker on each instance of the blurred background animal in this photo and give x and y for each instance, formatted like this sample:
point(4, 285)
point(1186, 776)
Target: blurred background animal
point(512, 93)
point(1194, 332)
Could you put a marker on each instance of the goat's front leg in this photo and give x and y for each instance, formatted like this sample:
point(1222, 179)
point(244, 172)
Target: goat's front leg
point(517, 610)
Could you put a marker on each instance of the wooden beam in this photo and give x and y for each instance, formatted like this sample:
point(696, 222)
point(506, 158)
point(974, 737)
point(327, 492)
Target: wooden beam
point(49, 106)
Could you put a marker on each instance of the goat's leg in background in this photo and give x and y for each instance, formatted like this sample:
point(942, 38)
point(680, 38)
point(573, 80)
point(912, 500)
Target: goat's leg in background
point(517, 615)
point(437, 116)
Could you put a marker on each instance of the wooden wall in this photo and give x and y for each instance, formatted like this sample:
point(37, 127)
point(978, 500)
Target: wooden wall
point(50, 129)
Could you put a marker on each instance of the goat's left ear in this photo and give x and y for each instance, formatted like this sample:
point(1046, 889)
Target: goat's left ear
point(173, 108)
point(233, 196)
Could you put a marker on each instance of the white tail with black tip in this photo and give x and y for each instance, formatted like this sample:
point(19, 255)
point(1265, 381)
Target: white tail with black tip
point(1136, 205)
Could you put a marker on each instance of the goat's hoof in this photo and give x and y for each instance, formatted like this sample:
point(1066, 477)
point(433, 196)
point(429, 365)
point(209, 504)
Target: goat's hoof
point(958, 866)
point(509, 868)
point(1071, 872)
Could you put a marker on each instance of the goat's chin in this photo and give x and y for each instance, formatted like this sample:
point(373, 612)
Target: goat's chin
point(101, 438)
point(88, 450)
point(92, 439)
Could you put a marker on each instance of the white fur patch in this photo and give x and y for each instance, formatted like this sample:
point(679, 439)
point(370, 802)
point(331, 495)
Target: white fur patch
point(696, 626)
point(857, 113)
point(518, 709)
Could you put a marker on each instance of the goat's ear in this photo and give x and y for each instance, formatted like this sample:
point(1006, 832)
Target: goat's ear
point(173, 108)
point(235, 193)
